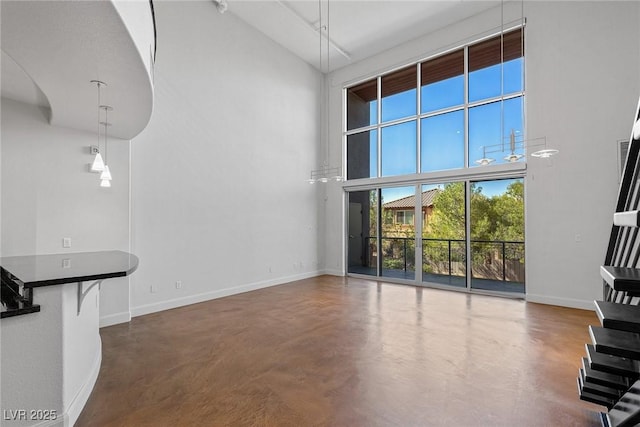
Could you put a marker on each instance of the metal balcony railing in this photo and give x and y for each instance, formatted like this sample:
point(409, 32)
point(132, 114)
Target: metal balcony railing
point(493, 260)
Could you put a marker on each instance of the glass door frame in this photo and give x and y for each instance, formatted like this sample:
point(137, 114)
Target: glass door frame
point(490, 174)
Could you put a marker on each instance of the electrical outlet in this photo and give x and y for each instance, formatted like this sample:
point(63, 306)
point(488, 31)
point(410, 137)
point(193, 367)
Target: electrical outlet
point(153, 289)
point(178, 284)
point(66, 242)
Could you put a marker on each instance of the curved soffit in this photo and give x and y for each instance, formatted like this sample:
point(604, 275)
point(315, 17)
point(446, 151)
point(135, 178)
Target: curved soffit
point(63, 45)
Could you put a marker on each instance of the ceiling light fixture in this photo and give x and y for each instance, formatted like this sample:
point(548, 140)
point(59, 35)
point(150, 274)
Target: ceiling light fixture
point(105, 176)
point(515, 144)
point(484, 161)
point(98, 163)
point(326, 173)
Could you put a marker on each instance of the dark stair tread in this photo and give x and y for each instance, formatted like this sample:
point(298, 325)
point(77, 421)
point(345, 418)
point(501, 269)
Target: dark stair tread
point(623, 317)
point(603, 378)
point(597, 389)
point(612, 364)
point(621, 278)
point(594, 398)
point(619, 343)
point(626, 412)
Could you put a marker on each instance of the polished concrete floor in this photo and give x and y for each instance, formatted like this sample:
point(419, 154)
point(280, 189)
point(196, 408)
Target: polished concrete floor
point(332, 351)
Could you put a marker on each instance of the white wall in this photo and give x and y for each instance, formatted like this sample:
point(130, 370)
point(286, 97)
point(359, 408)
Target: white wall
point(48, 194)
point(582, 93)
point(219, 195)
point(49, 358)
point(582, 62)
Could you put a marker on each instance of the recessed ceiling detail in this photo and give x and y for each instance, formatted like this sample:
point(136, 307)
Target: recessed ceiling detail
point(359, 29)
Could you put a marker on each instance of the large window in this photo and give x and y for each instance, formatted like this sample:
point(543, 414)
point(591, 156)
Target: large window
point(445, 113)
point(435, 217)
point(466, 234)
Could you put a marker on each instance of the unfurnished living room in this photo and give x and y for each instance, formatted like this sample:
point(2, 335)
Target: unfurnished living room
point(319, 213)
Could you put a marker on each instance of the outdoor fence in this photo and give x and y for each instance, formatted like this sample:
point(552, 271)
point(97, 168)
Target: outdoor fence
point(492, 260)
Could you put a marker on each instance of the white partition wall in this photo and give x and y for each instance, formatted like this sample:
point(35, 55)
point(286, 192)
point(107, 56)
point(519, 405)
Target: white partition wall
point(220, 198)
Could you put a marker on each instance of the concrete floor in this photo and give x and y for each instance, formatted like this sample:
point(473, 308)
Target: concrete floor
point(334, 351)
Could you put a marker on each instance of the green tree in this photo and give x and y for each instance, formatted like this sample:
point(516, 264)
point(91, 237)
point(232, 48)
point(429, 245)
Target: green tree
point(447, 218)
point(500, 217)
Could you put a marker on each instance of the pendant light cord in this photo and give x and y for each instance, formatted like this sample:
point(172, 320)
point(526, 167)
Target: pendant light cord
point(98, 84)
point(326, 88)
point(502, 72)
point(106, 123)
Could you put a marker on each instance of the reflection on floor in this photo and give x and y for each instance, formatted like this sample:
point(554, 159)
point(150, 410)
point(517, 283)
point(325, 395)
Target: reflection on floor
point(444, 279)
point(334, 351)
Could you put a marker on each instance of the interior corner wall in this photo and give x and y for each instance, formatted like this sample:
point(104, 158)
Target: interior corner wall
point(220, 201)
point(582, 87)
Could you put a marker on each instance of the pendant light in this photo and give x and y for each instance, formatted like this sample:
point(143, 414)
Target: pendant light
point(484, 161)
point(326, 173)
point(513, 157)
point(98, 164)
point(105, 176)
point(515, 143)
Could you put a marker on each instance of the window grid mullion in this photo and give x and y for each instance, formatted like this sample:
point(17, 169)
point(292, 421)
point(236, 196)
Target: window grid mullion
point(418, 121)
point(379, 130)
point(466, 106)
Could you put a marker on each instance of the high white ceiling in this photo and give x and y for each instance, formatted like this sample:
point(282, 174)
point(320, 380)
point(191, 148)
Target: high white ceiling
point(357, 28)
point(51, 50)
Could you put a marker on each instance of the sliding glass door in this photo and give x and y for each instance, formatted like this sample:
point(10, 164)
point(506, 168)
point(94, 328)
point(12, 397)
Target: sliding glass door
point(461, 234)
point(444, 253)
point(363, 231)
point(497, 235)
point(398, 237)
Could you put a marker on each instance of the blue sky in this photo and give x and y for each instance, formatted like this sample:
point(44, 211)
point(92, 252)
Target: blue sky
point(442, 135)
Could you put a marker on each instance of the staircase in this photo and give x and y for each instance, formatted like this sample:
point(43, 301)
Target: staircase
point(610, 372)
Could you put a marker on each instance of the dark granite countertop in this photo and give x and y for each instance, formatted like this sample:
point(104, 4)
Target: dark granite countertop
point(20, 274)
point(56, 269)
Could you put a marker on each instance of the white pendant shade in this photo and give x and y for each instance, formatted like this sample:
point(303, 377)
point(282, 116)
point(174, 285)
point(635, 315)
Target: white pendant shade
point(106, 174)
point(546, 153)
point(105, 183)
point(512, 158)
point(98, 164)
point(485, 161)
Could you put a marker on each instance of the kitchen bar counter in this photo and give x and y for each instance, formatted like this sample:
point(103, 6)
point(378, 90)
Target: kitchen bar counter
point(20, 274)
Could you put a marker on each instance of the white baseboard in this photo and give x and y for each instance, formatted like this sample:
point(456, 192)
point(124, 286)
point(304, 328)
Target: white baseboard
point(206, 296)
point(77, 404)
point(114, 319)
point(563, 302)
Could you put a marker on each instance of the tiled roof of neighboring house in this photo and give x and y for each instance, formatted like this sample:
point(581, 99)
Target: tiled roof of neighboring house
point(409, 201)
